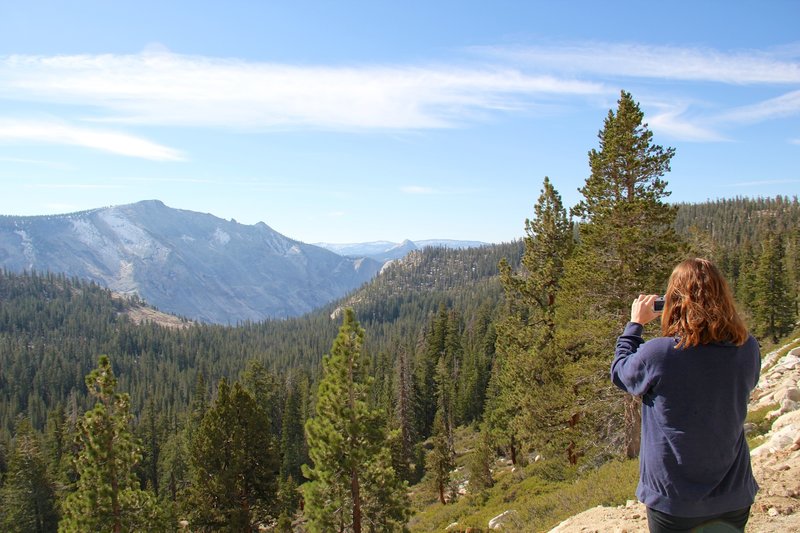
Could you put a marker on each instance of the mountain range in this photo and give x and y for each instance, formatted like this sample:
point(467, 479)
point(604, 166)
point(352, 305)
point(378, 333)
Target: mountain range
point(190, 264)
point(386, 251)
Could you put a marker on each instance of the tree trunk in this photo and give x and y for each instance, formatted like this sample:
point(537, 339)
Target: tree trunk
point(356, 493)
point(633, 426)
point(513, 449)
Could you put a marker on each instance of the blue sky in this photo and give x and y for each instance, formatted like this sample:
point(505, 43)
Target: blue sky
point(356, 121)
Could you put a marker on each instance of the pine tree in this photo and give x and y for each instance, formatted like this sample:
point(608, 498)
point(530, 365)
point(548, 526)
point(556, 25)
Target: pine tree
point(293, 445)
point(106, 496)
point(773, 310)
point(441, 459)
point(233, 463)
point(403, 420)
point(480, 464)
point(627, 246)
point(352, 482)
point(27, 498)
point(435, 346)
point(528, 394)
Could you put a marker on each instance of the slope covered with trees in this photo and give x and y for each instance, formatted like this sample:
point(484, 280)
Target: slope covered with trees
point(225, 426)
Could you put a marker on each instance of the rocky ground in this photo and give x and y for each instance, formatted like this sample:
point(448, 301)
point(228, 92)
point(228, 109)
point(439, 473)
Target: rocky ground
point(776, 462)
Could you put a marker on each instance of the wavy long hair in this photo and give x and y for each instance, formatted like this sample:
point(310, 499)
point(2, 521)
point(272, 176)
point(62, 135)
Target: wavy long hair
point(699, 307)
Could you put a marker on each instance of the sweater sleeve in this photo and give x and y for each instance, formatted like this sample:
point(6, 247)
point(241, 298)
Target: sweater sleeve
point(629, 370)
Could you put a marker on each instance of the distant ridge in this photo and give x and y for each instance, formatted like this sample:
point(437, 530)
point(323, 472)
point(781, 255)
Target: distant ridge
point(387, 250)
point(186, 263)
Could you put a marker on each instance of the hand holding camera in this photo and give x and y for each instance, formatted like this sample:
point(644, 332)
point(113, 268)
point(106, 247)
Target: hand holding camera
point(646, 308)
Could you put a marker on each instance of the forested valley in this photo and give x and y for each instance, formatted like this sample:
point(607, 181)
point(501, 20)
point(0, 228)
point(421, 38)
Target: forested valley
point(330, 421)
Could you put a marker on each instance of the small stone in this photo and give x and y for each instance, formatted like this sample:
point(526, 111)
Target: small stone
point(773, 512)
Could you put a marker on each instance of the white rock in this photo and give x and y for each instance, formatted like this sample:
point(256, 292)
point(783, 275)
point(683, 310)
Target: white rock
point(778, 440)
point(789, 419)
point(773, 512)
point(451, 526)
point(498, 521)
point(789, 393)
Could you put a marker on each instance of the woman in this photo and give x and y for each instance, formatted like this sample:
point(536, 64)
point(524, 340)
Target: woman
point(695, 382)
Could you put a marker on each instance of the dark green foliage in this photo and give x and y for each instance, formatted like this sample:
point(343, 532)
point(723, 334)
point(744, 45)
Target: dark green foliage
point(435, 306)
point(529, 400)
point(293, 447)
point(743, 232)
point(774, 312)
point(27, 497)
point(627, 246)
point(233, 464)
point(352, 486)
point(441, 459)
point(106, 496)
point(480, 464)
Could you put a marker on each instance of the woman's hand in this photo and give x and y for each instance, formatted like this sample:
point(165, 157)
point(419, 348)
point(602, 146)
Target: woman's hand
point(642, 310)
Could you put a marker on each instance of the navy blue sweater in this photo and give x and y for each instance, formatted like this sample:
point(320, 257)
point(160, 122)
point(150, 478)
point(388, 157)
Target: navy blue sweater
point(694, 460)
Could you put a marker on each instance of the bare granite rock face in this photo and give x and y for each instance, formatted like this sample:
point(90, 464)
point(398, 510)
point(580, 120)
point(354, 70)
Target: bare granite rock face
point(189, 264)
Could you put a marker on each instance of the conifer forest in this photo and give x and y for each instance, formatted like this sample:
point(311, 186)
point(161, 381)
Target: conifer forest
point(333, 421)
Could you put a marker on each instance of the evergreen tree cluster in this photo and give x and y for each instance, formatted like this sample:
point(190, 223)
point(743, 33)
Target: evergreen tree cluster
point(321, 423)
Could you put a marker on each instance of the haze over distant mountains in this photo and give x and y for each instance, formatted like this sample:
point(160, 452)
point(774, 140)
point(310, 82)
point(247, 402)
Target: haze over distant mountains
point(386, 250)
point(191, 264)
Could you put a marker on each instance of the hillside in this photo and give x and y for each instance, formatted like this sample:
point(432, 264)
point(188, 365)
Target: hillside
point(52, 328)
point(433, 306)
point(185, 263)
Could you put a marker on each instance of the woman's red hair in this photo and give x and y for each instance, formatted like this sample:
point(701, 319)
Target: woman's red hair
point(699, 307)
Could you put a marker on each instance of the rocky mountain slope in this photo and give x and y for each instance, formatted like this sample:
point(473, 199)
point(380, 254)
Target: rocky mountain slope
point(190, 264)
point(776, 462)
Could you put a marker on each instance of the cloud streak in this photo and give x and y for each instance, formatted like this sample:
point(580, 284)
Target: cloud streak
point(180, 90)
point(59, 132)
point(418, 189)
point(783, 106)
point(648, 61)
point(159, 88)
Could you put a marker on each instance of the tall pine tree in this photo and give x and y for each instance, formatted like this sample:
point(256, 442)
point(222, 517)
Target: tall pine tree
point(107, 497)
point(234, 465)
point(774, 308)
point(627, 246)
point(528, 395)
point(353, 486)
point(27, 498)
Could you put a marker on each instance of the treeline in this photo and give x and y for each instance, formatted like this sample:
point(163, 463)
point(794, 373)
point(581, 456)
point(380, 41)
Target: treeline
point(233, 427)
point(51, 327)
point(756, 243)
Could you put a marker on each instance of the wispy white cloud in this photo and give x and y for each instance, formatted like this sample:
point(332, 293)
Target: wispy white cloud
point(783, 106)
point(417, 189)
point(794, 141)
point(170, 89)
point(674, 122)
point(60, 132)
point(649, 61)
point(39, 162)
